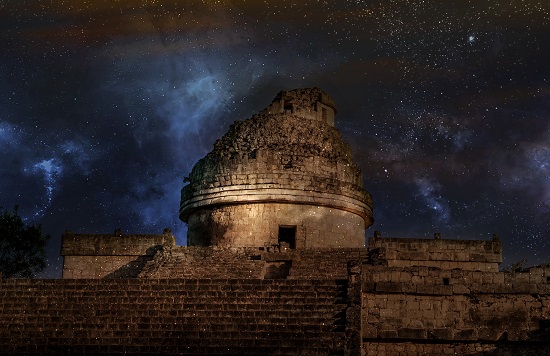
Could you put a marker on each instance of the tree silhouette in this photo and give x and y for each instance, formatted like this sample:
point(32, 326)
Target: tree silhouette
point(22, 247)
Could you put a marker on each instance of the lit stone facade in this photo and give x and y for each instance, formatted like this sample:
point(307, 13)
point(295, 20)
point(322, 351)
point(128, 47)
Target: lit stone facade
point(109, 255)
point(278, 266)
point(283, 176)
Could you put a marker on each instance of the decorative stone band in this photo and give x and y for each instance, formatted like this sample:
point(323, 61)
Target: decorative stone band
point(293, 171)
point(254, 194)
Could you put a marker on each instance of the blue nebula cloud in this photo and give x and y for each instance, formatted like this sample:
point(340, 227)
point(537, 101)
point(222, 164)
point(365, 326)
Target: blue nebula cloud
point(430, 192)
point(51, 170)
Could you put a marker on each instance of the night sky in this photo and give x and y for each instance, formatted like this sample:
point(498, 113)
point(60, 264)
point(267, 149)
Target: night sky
point(105, 106)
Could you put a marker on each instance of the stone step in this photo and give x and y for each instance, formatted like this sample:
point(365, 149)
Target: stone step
point(180, 317)
point(273, 295)
point(22, 290)
point(121, 327)
point(153, 310)
point(186, 316)
point(167, 283)
point(173, 350)
point(247, 263)
point(190, 337)
point(234, 292)
point(183, 298)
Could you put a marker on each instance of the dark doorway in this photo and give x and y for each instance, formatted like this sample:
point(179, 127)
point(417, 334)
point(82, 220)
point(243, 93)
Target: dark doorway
point(287, 234)
point(288, 106)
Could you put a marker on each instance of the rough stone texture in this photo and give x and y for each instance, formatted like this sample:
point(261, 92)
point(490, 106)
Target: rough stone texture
point(256, 263)
point(175, 316)
point(311, 104)
point(437, 297)
point(276, 300)
point(241, 289)
point(439, 349)
point(204, 262)
point(445, 254)
point(116, 255)
point(288, 154)
point(428, 310)
point(252, 225)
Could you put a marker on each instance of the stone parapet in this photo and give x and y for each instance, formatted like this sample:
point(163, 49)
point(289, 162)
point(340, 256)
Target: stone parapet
point(105, 255)
point(440, 253)
point(116, 244)
point(436, 281)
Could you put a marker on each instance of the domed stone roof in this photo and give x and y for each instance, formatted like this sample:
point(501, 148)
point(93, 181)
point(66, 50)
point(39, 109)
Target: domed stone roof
point(289, 152)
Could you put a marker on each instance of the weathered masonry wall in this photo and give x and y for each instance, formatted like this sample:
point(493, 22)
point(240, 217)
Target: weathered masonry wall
point(287, 154)
point(258, 224)
point(98, 256)
point(472, 255)
point(423, 310)
point(268, 262)
point(256, 263)
point(312, 104)
point(173, 316)
point(296, 177)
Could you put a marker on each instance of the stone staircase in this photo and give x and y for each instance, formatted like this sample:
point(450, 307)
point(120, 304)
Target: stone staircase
point(239, 263)
point(173, 316)
point(323, 263)
point(204, 262)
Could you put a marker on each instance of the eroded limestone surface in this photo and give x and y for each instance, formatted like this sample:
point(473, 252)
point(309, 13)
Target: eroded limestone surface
point(287, 154)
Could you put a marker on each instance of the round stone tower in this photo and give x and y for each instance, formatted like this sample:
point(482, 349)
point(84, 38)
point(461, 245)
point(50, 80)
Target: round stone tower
point(284, 176)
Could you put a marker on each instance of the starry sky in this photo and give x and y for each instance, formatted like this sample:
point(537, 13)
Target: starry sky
point(105, 106)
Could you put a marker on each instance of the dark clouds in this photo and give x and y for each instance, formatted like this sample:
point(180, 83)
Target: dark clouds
point(106, 106)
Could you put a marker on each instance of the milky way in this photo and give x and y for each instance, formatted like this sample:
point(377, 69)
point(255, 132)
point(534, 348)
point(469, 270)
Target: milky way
point(105, 107)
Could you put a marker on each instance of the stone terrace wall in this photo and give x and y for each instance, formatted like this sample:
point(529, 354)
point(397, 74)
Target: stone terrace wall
point(101, 255)
point(446, 254)
point(204, 262)
point(262, 263)
point(422, 310)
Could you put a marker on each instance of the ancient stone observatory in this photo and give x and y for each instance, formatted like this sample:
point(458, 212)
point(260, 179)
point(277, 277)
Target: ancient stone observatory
point(284, 176)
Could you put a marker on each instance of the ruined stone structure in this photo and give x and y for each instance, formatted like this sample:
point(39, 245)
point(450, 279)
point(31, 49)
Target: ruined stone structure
point(468, 255)
point(99, 256)
point(284, 175)
point(277, 265)
point(414, 309)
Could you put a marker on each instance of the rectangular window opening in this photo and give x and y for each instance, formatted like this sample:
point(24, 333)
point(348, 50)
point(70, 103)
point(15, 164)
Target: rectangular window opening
point(287, 235)
point(288, 107)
